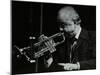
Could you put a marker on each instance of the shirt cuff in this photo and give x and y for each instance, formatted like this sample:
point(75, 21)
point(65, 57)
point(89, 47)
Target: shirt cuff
point(78, 65)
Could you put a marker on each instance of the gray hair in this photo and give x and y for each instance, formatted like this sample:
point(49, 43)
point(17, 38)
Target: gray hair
point(70, 13)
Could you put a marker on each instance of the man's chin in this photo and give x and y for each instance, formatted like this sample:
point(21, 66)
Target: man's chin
point(70, 34)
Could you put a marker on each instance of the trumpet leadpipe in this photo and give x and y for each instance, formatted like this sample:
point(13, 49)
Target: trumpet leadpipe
point(51, 37)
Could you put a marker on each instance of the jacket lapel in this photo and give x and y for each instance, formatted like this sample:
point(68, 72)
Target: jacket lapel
point(83, 36)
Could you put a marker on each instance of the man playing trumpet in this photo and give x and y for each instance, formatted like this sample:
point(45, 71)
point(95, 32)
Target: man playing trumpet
point(78, 51)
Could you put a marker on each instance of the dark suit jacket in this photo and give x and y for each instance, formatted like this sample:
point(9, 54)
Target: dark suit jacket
point(84, 52)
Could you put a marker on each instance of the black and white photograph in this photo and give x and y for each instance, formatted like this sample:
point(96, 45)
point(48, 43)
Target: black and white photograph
point(52, 37)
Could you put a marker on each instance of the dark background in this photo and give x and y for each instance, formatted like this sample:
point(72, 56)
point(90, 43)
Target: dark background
point(26, 22)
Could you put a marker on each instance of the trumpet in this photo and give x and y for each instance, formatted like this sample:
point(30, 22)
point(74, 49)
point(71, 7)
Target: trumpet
point(45, 44)
point(49, 43)
point(51, 38)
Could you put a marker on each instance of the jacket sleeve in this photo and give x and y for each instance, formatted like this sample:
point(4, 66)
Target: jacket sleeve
point(90, 64)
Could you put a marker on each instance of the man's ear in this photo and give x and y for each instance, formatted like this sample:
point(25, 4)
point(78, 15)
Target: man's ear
point(77, 21)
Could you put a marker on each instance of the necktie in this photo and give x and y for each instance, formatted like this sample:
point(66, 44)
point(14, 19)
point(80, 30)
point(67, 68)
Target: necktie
point(73, 42)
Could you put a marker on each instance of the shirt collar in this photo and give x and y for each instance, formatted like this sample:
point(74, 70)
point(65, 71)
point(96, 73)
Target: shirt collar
point(78, 33)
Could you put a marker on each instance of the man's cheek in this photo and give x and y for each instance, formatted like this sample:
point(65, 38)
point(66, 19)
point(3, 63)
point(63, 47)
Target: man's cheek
point(70, 29)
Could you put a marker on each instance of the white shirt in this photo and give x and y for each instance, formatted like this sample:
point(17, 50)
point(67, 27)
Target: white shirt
point(77, 36)
point(78, 33)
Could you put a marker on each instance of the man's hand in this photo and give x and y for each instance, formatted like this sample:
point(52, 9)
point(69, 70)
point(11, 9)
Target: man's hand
point(70, 66)
point(49, 61)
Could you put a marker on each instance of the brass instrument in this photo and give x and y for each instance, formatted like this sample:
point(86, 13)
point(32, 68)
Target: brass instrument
point(44, 45)
point(50, 44)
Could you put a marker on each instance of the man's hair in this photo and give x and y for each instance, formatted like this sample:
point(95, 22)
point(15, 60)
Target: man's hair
point(70, 13)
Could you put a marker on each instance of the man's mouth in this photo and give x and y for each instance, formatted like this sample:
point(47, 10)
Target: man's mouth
point(70, 32)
